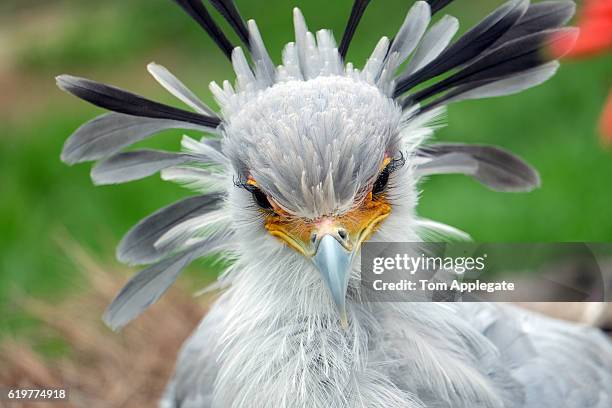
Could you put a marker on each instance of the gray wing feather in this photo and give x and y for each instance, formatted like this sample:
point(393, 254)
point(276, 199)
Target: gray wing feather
point(138, 245)
point(576, 362)
point(134, 165)
point(559, 364)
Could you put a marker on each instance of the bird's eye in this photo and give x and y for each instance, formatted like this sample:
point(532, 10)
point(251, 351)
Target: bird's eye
point(383, 178)
point(381, 182)
point(261, 199)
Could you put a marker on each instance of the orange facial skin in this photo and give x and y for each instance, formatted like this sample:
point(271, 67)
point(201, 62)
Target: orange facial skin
point(360, 223)
point(351, 228)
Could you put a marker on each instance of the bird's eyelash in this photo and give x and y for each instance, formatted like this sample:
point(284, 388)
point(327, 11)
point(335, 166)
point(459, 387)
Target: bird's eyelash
point(259, 197)
point(381, 184)
point(240, 183)
point(396, 163)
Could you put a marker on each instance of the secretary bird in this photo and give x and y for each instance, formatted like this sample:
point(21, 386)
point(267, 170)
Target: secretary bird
point(306, 161)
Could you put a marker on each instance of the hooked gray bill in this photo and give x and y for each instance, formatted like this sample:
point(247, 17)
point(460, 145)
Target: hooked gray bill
point(334, 263)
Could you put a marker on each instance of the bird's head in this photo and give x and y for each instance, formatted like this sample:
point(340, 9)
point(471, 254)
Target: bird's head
point(312, 157)
point(313, 164)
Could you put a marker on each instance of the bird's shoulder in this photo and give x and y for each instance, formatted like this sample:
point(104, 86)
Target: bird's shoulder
point(559, 363)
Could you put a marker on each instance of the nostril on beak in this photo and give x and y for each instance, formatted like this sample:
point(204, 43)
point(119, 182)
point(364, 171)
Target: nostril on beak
point(342, 234)
point(313, 237)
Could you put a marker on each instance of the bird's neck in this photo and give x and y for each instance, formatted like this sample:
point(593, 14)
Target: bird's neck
point(280, 344)
point(282, 330)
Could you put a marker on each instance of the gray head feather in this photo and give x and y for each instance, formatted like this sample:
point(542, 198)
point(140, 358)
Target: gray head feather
point(314, 145)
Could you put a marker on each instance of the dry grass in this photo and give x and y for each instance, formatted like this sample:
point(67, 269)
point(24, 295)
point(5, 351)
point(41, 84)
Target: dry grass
point(104, 369)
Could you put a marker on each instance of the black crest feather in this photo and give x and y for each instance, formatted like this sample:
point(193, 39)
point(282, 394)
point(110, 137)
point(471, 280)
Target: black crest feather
point(469, 46)
point(437, 5)
point(198, 12)
point(540, 16)
point(359, 8)
point(230, 12)
point(118, 100)
point(510, 58)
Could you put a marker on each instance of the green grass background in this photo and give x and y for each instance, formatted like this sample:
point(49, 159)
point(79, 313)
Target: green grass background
point(43, 201)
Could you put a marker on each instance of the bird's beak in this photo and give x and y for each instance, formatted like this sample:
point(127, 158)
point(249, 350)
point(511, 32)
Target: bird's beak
point(334, 263)
point(332, 242)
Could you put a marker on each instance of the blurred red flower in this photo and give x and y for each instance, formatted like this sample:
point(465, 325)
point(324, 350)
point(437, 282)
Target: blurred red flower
point(595, 38)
